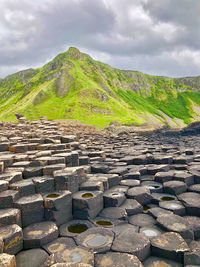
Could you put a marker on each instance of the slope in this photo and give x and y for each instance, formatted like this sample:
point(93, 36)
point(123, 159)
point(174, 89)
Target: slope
point(74, 86)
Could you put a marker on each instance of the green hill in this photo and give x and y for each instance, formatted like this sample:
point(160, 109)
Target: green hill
point(74, 86)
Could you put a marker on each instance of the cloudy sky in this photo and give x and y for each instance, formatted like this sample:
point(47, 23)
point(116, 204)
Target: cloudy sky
point(154, 36)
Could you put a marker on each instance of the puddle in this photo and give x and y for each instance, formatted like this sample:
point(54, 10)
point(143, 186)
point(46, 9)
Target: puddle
point(104, 223)
point(150, 233)
point(97, 241)
point(53, 195)
point(167, 198)
point(87, 195)
point(173, 206)
point(75, 257)
point(77, 228)
point(145, 208)
point(153, 186)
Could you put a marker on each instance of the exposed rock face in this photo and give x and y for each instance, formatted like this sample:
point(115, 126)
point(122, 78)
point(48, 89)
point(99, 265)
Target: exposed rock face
point(87, 87)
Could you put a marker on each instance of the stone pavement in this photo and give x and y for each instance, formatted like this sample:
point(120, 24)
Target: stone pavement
point(97, 199)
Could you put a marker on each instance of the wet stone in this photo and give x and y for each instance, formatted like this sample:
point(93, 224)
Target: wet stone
point(7, 260)
point(10, 216)
point(141, 220)
point(162, 177)
point(97, 239)
point(133, 243)
point(32, 257)
point(39, 234)
point(191, 202)
point(160, 262)
point(106, 223)
point(153, 186)
point(119, 188)
point(157, 197)
point(194, 223)
point(87, 204)
point(59, 244)
point(32, 209)
point(130, 183)
point(175, 206)
point(43, 184)
point(24, 187)
point(49, 170)
point(71, 256)
point(185, 177)
point(3, 185)
point(7, 198)
point(11, 176)
point(74, 228)
point(92, 186)
point(155, 212)
point(113, 199)
point(174, 187)
point(141, 194)
point(192, 258)
point(113, 213)
point(116, 259)
point(58, 206)
point(32, 172)
point(194, 188)
point(150, 231)
point(169, 245)
point(177, 224)
point(12, 238)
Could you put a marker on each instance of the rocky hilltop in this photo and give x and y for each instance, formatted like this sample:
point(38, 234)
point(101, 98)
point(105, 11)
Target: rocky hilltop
point(74, 86)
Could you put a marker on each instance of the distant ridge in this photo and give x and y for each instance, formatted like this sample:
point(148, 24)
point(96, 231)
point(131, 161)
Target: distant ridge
point(74, 86)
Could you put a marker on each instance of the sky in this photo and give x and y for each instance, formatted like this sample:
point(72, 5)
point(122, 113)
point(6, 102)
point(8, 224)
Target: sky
point(159, 37)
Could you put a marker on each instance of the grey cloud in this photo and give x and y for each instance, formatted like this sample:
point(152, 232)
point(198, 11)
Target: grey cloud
point(158, 37)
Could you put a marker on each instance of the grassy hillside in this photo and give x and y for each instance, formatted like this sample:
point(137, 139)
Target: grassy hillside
point(74, 86)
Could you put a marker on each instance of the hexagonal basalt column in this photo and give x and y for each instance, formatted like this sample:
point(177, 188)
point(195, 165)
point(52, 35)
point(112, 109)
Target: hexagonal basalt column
point(74, 228)
point(71, 257)
point(43, 184)
point(141, 194)
point(31, 257)
point(174, 187)
point(7, 198)
point(191, 202)
point(97, 239)
point(169, 245)
point(60, 244)
point(13, 238)
point(87, 204)
point(38, 234)
point(142, 220)
point(32, 209)
point(10, 216)
point(133, 243)
point(175, 206)
point(112, 259)
point(24, 187)
point(177, 224)
point(159, 262)
point(113, 199)
point(194, 223)
point(58, 206)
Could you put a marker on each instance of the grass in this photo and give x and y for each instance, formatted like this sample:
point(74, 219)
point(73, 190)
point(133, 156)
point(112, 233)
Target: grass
point(95, 93)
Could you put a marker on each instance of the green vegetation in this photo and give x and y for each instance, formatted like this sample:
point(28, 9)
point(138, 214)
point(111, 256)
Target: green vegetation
point(74, 86)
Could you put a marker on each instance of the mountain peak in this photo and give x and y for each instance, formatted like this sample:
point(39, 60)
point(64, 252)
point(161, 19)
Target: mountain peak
point(75, 53)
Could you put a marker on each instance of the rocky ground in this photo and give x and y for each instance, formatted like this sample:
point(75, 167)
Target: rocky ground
point(74, 196)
